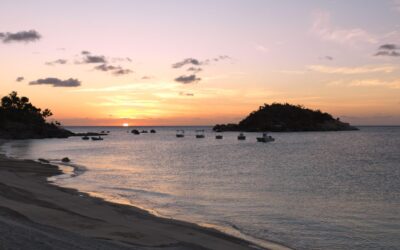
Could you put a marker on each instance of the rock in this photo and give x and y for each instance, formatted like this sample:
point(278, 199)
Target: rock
point(65, 159)
point(43, 160)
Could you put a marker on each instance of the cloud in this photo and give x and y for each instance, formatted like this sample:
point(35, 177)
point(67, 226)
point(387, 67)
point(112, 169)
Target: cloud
point(187, 61)
point(57, 82)
point(20, 79)
point(292, 72)
point(323, 28)
point(187, 79)
point(388, 50)
point(351, 70)
point(94, 59)
point(391, 84)
point(147, 77)
point(58, 61)
point(21, 36)
point(329, 58)
point(116, 70)
point(105, 67)
point(388, 53)
point(221, 58)
point(122, 71)
point(90, 58)
point(185, 94)
point(195, 69)
point(389, 46)
point(121, 59)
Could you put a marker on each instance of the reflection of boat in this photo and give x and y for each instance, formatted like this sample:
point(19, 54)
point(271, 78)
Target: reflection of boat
point(98, 138)
point(241, 137)
point(152, 131)
point(200, 133)
point(85, 138)
point(265, 138)
point(180, 133)
point(219, 137)
point(135, 132)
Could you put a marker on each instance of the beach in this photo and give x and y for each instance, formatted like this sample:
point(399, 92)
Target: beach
point(34, 214)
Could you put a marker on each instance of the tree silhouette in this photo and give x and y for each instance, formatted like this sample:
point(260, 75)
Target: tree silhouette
point(19, 118)
point(286, 117)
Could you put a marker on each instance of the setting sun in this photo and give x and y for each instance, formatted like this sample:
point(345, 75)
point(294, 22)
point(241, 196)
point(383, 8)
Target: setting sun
point(125, 125)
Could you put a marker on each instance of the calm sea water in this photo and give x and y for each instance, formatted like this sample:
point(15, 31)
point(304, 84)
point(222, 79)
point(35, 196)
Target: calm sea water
point(332, 190)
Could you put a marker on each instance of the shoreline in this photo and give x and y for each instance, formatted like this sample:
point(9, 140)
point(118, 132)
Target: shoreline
point(30, 195)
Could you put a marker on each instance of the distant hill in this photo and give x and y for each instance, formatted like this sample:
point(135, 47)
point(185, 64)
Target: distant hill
point(279, 117)
point(19, 119)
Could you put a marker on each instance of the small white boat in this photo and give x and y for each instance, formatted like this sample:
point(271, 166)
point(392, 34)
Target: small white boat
point(241, 137)
point(180, 133)
point(200, 134)
point(265, 138)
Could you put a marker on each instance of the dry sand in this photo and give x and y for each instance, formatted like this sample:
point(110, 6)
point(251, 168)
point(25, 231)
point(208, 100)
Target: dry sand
point(34, 214)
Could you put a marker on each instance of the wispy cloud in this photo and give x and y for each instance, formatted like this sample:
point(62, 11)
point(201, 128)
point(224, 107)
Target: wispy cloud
point(187, 61)
point(21, 36)
point(328, 58)
point(391, 84)
point(185, 94)
point(116, 70)
point(388, 49)
point(20, 79)
point(58, 61)
point(323, 27)
point(137, 87)
point(187, 79)
point(195, 69)
point(292, 72)
point(352, 70)
point(55, 82)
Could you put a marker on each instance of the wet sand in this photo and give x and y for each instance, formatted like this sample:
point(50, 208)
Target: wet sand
point(34, 214)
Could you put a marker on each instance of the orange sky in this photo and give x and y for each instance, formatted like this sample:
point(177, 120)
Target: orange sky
point(242, 54)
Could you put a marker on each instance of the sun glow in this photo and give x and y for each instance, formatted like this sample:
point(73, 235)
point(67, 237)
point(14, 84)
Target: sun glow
point(125, 125)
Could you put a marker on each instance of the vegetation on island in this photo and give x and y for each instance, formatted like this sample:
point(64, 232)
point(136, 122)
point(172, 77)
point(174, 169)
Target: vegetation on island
point(20, 119)
point(278, 117)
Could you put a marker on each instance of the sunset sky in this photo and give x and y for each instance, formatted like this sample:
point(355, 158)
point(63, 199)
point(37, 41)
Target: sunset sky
point(176, 62)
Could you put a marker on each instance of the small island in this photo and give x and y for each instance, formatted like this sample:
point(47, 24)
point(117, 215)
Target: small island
point(277, 117)
point(20, 119)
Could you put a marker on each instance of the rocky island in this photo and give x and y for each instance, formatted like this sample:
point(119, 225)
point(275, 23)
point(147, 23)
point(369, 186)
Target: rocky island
point(277, 117)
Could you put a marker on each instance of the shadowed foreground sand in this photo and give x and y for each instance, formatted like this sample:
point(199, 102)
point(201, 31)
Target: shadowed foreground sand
point(37, 215)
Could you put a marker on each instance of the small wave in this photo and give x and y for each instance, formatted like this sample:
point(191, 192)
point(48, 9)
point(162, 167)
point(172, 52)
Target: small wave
point(141, 191)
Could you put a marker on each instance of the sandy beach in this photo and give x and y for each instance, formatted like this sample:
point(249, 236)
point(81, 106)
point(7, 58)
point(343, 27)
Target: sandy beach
point(34, 214)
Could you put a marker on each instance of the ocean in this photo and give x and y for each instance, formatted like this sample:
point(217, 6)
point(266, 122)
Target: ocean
point(306, 190)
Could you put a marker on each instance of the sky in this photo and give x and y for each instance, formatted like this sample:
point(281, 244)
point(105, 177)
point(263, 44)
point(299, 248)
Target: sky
point(177, 62)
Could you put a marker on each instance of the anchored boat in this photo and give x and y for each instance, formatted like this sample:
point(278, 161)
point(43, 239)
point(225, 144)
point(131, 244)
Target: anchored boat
point(180, 133)
point(241, 137)
point(200, 133)
point(265, 138)
point(98, 138)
